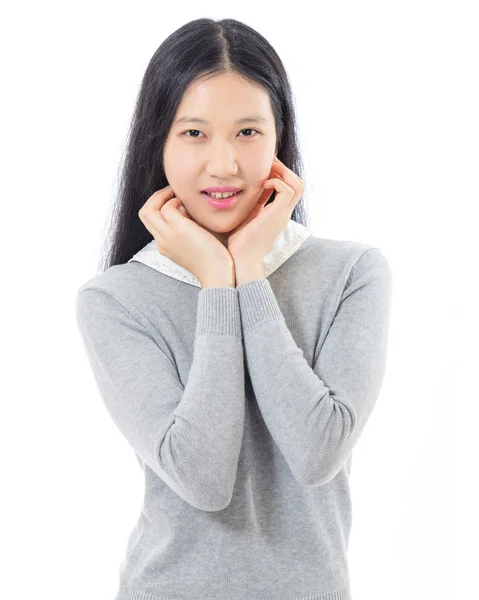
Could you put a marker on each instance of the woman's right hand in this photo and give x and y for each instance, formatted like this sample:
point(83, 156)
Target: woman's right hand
point(183, 241)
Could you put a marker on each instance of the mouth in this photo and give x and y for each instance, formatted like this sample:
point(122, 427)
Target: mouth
point(222, 203)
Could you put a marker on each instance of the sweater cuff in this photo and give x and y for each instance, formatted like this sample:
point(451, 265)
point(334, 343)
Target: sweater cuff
point(258, 303)
point(218, 311)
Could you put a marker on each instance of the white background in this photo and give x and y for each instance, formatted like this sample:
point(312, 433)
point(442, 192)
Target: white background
point(387, 100)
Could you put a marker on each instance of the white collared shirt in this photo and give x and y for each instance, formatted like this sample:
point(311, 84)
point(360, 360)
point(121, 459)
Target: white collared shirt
point(283, 247)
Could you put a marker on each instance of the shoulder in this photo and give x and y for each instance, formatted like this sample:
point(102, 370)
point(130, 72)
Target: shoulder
point(116, 288)
point(344, 269)
point(114, 281)
point(342, 256)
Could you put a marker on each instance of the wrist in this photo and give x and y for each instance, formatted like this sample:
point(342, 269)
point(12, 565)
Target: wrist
point(248, 272)
point(222, 275)
point(218, 282)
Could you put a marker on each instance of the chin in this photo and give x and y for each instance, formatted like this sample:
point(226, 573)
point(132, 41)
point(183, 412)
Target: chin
point(224, 227)
point(220, 222)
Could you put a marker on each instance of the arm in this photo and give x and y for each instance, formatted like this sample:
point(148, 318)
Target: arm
point(316, 415)
point(191, 435)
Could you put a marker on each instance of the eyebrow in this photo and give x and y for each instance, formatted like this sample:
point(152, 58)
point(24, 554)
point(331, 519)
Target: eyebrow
point(255, 119)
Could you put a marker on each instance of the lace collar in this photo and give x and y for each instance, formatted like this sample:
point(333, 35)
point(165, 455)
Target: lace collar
point(284, 246)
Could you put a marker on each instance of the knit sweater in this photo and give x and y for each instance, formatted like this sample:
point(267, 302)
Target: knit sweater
point(243, 406)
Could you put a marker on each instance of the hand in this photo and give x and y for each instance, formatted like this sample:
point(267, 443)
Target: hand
point(180, 239)
point(254, 237)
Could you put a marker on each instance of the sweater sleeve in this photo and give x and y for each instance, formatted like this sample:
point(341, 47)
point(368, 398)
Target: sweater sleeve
point(191, 435)
point(316, 415)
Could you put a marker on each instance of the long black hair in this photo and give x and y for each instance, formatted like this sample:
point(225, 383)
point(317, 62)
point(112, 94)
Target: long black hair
point(198, 48)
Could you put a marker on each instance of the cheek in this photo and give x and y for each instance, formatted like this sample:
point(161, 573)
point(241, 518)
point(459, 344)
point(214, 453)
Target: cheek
point(180, 171)
point(186, 161)
point(257, 165)
point(172, 160)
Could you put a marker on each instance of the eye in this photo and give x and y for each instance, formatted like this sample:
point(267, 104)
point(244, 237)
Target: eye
point(195, 136)
point(250, 130)
point(184, 132)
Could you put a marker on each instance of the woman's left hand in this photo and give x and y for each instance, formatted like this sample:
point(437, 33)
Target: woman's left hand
point(254, 237)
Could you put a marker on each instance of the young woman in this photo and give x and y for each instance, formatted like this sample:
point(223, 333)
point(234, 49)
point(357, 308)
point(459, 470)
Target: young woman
point(239, 355)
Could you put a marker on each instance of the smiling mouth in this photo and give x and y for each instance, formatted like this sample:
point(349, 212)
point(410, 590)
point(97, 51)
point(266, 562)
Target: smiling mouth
point(221, 198)
point(219, 203)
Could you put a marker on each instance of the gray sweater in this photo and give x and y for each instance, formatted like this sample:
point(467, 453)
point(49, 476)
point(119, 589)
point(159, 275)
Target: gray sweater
point(243, 406)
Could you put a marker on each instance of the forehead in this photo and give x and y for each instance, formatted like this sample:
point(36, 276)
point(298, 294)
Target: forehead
point(224, 98)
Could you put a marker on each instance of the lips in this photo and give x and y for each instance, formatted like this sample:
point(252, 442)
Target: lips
point(222, 203)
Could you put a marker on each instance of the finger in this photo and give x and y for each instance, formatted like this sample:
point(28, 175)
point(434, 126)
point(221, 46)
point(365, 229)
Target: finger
point(170, 213)
point(295, 183)
point(155, 201)
point(155, 223)
point(279, 185)
point(150, 213)
point(285, 194)
point(159, 198)
point(290, 178)
point(283, 169)
point(265, 196)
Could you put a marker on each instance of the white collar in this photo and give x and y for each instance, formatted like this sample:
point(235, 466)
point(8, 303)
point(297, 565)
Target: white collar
point(283, 247)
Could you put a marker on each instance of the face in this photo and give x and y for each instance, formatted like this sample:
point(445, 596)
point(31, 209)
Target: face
point(220, 152)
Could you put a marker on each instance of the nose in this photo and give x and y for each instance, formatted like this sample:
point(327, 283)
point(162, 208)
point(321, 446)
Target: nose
point(221, 161)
